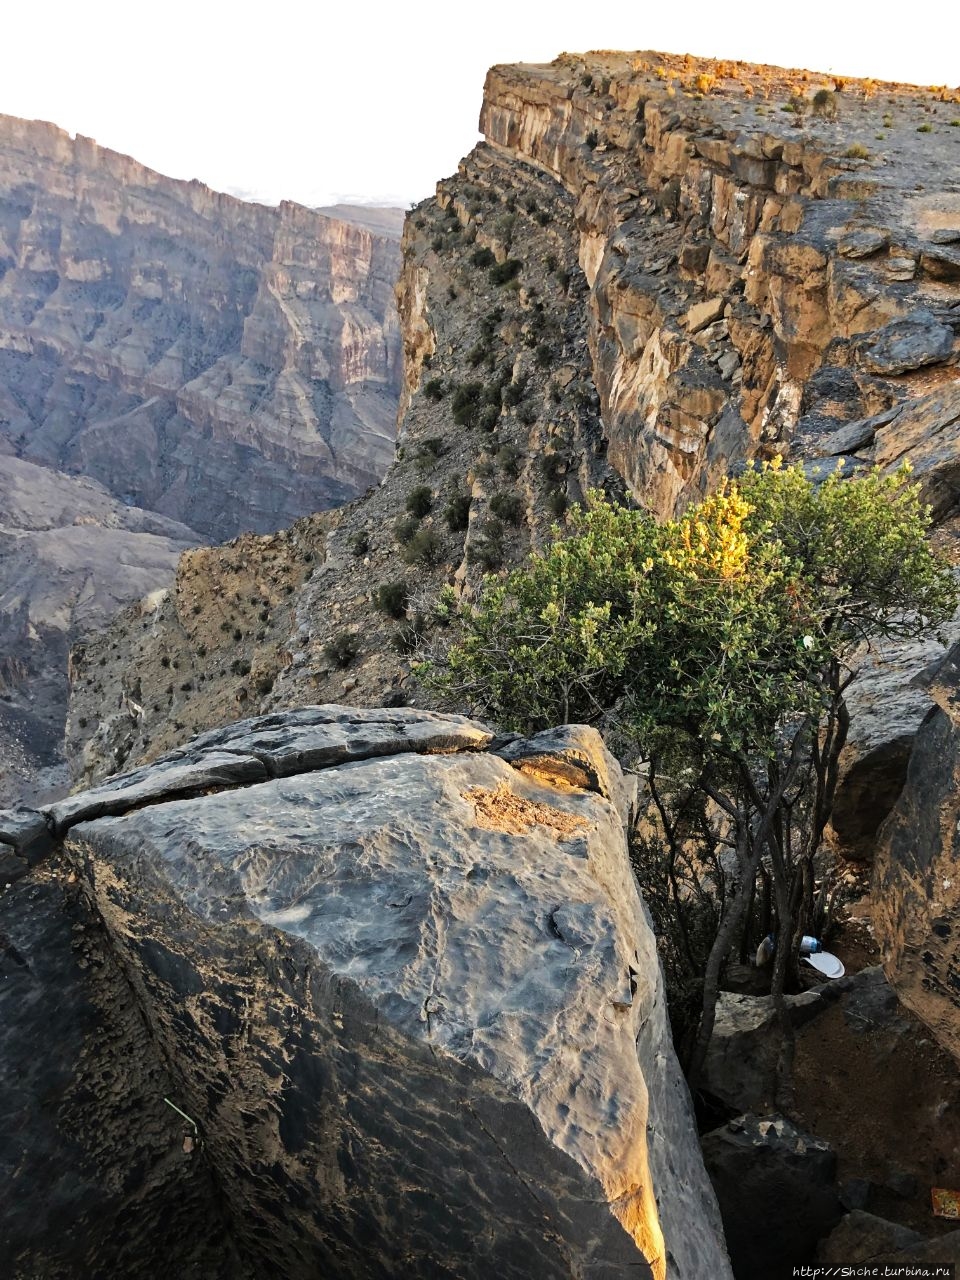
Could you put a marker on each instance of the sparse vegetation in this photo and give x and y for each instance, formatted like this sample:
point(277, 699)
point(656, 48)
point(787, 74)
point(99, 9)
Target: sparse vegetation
point(508, 507)
point(360, 544)
point(406, 639)
point(457, 512)
point(342, 648)
point(825, 104)
point(434, 389)
point(857, 151)
point(391, 598)
point(420, 501)
point(405, 528)
point(506, 271)
point(488, 549)
point(425, 547)
point(465, 404)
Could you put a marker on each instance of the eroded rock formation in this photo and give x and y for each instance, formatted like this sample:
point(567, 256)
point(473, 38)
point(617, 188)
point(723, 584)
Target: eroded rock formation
point(646, 275)
point(175, 365)
point(402, 981)
point(229, 365)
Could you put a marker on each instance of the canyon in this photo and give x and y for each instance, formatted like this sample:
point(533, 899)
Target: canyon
point(193, 365)
point(350, 933)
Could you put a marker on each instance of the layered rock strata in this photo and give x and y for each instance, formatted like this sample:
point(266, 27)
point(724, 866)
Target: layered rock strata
point(175, 365)
point(652, 270)
point(229, 365)
point(408, 995)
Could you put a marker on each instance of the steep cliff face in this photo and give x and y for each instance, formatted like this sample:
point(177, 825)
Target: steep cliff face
point(916, 886)
point(408, 996)
point(652, 270)
point(175, 365)
point(229, 365)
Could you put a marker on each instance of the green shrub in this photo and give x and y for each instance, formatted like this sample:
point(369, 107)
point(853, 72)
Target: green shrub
point(420, 501)
point(553, 466)
point(360, 544)
point(482, 257)
point(434, 389)
point(857, 151)
point(509, 459)
point(425, 547)
point(506, 271)
point(527, 414)
point(457, 512)
point(490, 321)
point(592, 139)
point(391, 598)
point(825, 104)
point(513, 393)
point(430, 450)
point(544, 355)
point(405, 528)
point(557, 502)
point(924, 128)
point(507, 507)
point(342, 648)
point(488, 549)
point(466, 402)
point(489, 417)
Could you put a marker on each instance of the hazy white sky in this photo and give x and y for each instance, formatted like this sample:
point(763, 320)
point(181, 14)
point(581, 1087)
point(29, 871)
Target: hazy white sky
point(376, 101)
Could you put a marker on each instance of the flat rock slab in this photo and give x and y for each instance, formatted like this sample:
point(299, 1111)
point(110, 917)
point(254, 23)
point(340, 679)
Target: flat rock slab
point(163, 780)
point(23, 828)
point(863, 242)
point(420, 997)
point(317, 737)
point(908, 344)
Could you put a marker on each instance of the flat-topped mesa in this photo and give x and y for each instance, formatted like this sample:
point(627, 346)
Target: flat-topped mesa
point(404, 991)
point(229, 364)
point(739, 228)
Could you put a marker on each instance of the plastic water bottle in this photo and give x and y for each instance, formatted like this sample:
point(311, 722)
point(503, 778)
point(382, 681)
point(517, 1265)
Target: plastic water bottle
point(810, 946)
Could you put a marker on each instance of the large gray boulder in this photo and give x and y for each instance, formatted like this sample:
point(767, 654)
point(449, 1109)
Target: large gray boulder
point(410, 996)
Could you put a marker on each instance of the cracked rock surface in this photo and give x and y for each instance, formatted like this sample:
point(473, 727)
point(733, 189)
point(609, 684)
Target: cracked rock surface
point(408, 991)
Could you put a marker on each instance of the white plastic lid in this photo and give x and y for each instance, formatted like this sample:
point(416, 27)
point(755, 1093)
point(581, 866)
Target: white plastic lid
point(827, 964)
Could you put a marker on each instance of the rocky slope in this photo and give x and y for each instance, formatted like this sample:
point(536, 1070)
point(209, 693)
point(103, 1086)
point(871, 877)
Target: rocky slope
point(175, 365)
point(397, 978)
point(651, 270)
point(70, 557)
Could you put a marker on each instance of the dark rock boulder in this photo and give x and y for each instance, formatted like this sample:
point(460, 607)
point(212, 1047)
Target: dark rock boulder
point(775, 1185)
point(907, 344)
point(410, 996)
point(916, 885)
point(96, 1177)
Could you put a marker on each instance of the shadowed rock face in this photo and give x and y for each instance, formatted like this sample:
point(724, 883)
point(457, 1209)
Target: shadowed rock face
point(409, 993)
point(917, 868)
